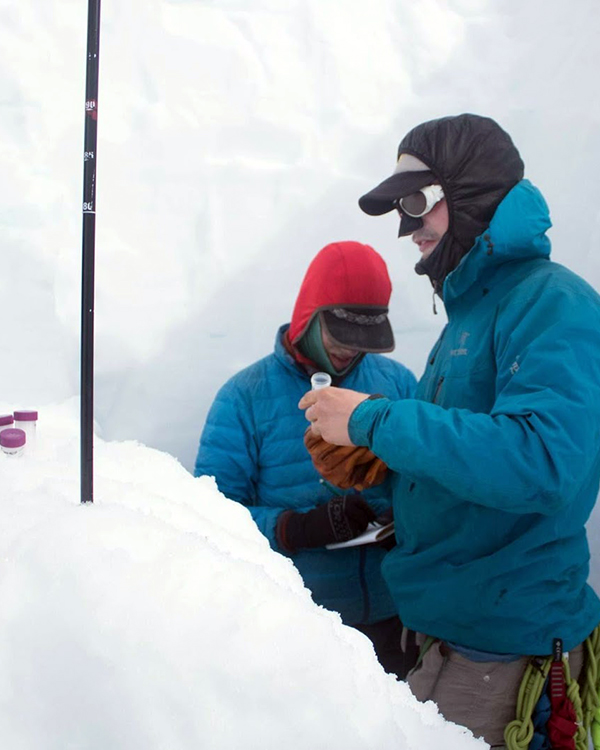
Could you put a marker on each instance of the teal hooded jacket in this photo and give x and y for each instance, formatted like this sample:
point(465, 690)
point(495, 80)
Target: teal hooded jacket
point(496, 460)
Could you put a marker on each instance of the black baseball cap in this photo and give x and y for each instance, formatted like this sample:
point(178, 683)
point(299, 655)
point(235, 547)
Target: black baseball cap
point(364, 328)
point(410, 175)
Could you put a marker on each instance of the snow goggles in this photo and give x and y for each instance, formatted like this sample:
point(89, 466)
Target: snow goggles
point(420, 203)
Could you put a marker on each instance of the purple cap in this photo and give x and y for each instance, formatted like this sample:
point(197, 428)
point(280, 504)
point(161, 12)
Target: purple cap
point(12, 438)
point(6, 419)
point(26, 416)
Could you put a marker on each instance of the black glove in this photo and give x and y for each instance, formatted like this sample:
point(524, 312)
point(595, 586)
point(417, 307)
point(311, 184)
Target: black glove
point(386, 517)
point(339, 520)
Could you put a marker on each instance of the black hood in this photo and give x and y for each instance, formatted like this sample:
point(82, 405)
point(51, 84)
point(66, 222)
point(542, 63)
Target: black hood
point(477, 164)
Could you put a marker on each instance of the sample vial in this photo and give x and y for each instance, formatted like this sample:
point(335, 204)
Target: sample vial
point(6, 422)
point(320, 380)
point(26, 420)
point(12, 441)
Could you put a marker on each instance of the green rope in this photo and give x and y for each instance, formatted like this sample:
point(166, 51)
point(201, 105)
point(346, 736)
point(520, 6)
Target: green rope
point(590, 692)
point(595, 729)
point(424, 648)
point(575, 698)
point(519, 732)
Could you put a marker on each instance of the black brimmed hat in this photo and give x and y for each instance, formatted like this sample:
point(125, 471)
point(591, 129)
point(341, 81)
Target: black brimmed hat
point(364, 328)
point(410, 175)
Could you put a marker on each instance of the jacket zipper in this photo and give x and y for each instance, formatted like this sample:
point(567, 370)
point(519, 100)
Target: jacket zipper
point(363, 584)
point(437, 346)
point(438, 388)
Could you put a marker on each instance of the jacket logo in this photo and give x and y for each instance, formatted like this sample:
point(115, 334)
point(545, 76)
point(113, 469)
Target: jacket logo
point(514, 368)
point(462, 351)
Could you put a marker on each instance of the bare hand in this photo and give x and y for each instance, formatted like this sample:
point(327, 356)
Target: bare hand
point(328, 410)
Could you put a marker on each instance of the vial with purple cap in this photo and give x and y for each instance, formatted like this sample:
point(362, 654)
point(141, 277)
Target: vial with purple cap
point(26, 420)
point(6, 422)
point(12, 441)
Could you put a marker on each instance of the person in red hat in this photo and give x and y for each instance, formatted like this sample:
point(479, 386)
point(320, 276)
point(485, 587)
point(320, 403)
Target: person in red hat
point(253, 439)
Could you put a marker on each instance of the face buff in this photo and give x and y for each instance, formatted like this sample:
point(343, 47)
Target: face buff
point(311, 346)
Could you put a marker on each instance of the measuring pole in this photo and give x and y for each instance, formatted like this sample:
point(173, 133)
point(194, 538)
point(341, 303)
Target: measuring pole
point(88, 253)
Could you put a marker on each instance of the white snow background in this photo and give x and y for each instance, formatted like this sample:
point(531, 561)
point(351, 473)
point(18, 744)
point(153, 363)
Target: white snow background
point(234, 140)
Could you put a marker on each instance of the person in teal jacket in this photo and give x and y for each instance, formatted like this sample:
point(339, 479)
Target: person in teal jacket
point(496, 461)
point(253, 439)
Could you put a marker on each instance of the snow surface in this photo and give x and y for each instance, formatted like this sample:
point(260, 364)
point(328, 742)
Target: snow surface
point(234, 140)
point(159, 617)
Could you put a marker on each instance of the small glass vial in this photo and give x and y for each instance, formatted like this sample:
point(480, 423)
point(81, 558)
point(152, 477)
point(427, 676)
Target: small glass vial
point(6, 422)
point(320, 380)
point(26, 420)
point(12, 441)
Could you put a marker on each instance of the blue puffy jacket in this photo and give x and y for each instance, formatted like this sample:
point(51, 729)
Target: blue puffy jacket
point(498, 457)
point(252, 443)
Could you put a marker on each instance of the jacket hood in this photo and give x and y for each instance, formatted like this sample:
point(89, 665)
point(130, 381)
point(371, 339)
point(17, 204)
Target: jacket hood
point(477, 164)
point(517, 232)
point(343, 274)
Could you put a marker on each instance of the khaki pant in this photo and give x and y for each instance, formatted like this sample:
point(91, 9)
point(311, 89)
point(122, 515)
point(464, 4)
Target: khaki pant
point(481, 696)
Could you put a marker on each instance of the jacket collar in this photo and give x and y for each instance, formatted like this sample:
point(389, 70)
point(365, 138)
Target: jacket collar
point(517, 231)
point(302, 366)
point(283, 355)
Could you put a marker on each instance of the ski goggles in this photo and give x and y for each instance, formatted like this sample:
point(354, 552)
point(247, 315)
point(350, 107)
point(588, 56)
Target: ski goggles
point(420, 203)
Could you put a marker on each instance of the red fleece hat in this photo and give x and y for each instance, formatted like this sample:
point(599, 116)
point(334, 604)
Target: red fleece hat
point(346, 275)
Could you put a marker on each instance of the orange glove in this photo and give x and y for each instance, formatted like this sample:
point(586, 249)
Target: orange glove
point(345, 466)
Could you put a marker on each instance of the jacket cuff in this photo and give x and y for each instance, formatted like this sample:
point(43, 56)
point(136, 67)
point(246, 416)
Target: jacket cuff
point(281, 532)
point(363, 418)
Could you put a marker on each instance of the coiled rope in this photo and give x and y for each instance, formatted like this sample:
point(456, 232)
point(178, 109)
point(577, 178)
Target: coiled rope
point(519, 732)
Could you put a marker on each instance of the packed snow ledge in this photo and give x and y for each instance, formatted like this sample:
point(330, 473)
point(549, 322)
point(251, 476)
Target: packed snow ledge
point(159, 617)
